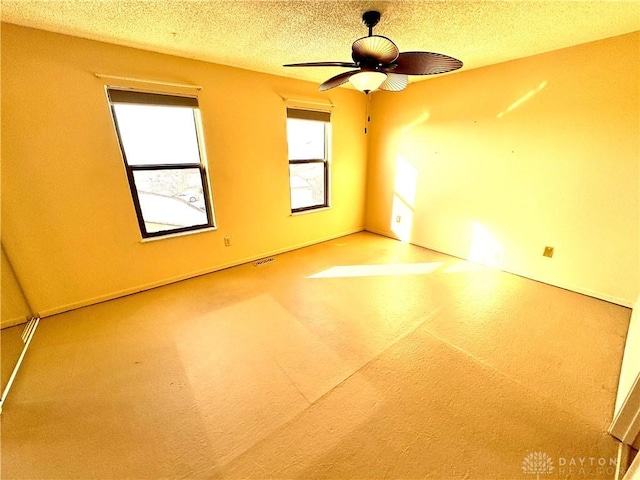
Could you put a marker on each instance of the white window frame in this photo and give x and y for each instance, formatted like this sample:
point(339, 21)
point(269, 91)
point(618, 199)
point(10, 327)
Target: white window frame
point(120, 95)
point(318, 116)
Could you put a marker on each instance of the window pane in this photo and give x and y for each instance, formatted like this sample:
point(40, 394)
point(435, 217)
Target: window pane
point(152, 134)
point(307, 185)
point(171, 199)
point(306, 139)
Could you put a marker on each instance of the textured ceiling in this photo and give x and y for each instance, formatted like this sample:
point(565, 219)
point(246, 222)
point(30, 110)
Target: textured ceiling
point(262, 35)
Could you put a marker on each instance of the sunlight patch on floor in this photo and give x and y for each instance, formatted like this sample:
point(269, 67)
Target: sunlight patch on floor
point(378, 270)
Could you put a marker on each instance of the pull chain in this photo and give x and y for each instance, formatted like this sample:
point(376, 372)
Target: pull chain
point(368, 119)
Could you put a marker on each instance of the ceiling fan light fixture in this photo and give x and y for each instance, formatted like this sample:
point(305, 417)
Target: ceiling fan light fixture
point(367, 81)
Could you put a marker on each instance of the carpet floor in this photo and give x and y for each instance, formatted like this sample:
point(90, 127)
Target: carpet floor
point(361, 357)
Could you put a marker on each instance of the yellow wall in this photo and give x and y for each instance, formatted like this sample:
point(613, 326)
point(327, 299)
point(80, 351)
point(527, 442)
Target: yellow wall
point(14, 306)
point(496, 163)
point(491, 164)
point(68, 221)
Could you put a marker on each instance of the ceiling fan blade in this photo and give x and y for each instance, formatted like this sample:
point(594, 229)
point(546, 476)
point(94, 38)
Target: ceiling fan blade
point(337, 80)
point(394, 82)
point(425, 63)
point(374, 50)
point(322, 64)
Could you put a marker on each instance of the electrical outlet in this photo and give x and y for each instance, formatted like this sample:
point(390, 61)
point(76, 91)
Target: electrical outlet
point(227, 241)
point(398, 218)
point(548, 252)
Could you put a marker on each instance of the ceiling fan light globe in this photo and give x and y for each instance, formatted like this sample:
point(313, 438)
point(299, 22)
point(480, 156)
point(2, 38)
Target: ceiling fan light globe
point(367, 81)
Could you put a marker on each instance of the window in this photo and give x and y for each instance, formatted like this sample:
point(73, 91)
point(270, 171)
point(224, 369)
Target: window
point(163, 153)
point(308, 142)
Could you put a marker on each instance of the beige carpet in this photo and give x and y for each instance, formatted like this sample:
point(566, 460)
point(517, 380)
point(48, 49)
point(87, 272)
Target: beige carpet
point(361, 357)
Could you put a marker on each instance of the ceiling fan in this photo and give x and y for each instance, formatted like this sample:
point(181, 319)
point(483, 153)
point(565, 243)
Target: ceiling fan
point(380, 65)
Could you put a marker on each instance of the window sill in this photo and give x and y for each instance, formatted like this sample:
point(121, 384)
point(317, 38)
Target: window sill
point(180, 234)
point(305, 212)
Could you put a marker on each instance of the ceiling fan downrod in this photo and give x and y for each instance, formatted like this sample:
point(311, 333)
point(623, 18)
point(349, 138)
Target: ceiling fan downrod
point(371, 19)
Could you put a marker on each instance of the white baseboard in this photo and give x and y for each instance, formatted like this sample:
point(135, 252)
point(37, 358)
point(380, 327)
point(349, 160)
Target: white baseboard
point(167, 281)
point(633, 473)
point(626, 424)
point(573, 288)
point(27, 336)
